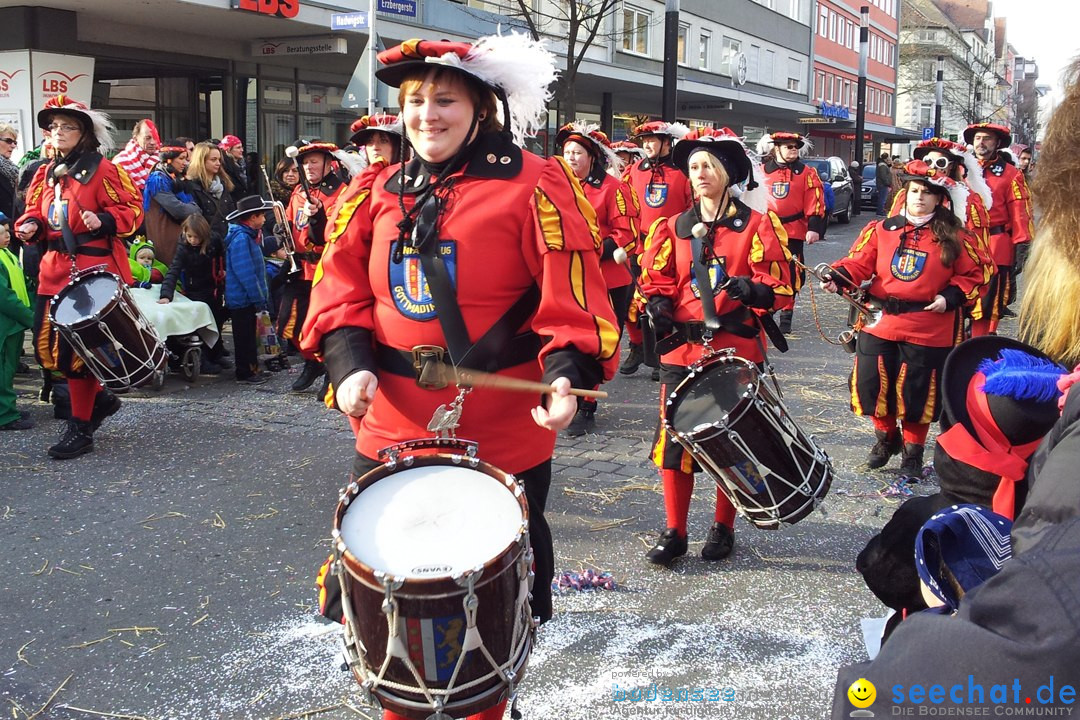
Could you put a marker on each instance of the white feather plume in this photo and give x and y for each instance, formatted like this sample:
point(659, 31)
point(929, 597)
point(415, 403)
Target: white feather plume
point(958, 198)
point(764, 144)
point(678, 131)
point(353, 164)
point(104, 130)
point(522, 67)
point(755, 199)
point(585, 129)
point(975, 178)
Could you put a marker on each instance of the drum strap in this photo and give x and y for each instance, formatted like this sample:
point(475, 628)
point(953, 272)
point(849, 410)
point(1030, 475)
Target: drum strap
point(61, 247)
point(701, 274)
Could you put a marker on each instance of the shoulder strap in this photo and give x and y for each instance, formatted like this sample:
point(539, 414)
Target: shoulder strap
point(705, 289)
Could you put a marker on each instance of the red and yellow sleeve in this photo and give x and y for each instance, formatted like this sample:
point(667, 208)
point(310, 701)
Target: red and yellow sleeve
point(861, 261)
point(624, 215)
point(771, 259)
point(565, 255)
point(341, 294)
point(119, 197)
point(658, 269)
point(969, 271)
point(1023, 226)
point(814, 197)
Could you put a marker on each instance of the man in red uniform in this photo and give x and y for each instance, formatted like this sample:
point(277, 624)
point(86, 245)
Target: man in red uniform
point(1010, 218)
point(307, 213)
point(796, 195)
point(589, 154)
point(663, 191)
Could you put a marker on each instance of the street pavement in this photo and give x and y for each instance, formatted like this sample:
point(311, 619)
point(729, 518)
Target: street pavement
point(169, 575)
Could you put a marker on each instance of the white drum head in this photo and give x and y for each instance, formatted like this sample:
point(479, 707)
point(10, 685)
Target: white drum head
point(432, 521)
point(85, 299)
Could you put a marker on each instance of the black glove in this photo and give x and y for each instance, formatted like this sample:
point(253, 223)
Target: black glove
point(609, 248)
point(660, 310)
point(1021, 257)
point(751, 294)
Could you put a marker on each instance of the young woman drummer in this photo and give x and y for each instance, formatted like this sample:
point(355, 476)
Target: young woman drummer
point(78, 208)
point(746, 262)
point(925, 266)
point(515, 238)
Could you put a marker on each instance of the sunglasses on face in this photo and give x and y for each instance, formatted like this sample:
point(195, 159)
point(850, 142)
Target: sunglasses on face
point(9, 141)
point(790, 147)
point(940, 163)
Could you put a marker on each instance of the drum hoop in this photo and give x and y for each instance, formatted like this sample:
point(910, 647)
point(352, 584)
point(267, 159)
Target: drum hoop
point(698, 369)
point(74, 282)
point(368, 575)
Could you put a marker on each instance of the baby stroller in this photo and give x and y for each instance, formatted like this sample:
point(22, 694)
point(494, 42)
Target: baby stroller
point(184, 324)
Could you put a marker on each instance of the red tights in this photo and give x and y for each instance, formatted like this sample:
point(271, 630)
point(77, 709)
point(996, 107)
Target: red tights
point(678, 486)
point(83, 391)
point(914, 433)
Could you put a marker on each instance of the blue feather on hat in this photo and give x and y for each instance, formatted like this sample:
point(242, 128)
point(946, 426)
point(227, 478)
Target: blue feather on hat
point(1021, 376)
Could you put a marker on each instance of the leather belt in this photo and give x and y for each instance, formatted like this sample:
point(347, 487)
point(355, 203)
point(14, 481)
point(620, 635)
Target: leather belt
point(81, 248)
point(411, 363)
point(998, 229)
point(792, 218)
point(896, 306)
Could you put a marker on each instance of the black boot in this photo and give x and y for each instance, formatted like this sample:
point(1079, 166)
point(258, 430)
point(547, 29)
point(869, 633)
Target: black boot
point(911, 462)
point(719, 543)
point(887, 445)
point(106, 403)
point(655, 377)
point(634, 357)
point(313, 369)
point(61, 400)
point(78, 439)
point(584, 418)
point(783, 320)
point(667, 548)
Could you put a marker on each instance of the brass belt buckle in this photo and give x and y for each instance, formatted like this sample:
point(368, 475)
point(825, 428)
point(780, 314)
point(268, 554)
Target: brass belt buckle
point(429, 366)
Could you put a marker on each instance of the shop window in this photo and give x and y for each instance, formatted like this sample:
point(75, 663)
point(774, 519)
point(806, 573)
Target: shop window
point(636, 30)
point(278, 95)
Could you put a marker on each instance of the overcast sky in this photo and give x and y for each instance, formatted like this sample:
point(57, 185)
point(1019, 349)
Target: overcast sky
point(1046, 30)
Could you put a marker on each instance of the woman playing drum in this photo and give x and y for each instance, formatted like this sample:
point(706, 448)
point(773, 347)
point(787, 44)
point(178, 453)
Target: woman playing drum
point(924, 267)
point(78, 207)
point(505, 234)
point(742, 254)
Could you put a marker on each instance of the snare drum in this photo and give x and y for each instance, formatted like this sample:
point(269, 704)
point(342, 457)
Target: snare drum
point(435, 569)
point(97, 317)
point(739, 431)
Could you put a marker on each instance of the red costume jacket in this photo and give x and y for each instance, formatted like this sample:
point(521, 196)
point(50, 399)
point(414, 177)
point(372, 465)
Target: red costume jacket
point(796, 196)
point(95, 184)
point(745, 243)
point(1011, 222)
point(904, 262)
point(309, 234)
point(505, 226)
point(616, 213)
point(661, 188)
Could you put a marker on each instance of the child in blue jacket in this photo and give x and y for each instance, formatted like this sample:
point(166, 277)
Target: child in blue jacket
point(245, 283)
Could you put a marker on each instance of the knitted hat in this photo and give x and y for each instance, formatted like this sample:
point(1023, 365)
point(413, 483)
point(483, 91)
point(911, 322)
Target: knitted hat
point(518, 69)
point(229, 142)
point(961, 547)
point(93, 121)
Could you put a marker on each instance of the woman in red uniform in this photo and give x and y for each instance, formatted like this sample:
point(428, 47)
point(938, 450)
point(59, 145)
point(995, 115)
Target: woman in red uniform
point(746, 261)
point(589, 154)
point(925, 267)
point(94, 204)
point(513, 239)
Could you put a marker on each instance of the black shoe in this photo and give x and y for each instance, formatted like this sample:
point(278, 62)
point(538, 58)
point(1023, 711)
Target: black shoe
point(633, 360)
point(22, 369)
point(253, 379)
point(21, 423)
point(583, 422)
point(209, 367)
point(655, 377)
point(311, 372)
point(1006, 312)
point(667, 548)
point(106, 403)
point(887, 445)
point(324, 389)
point(224, 363)
point(783, 321)
point(719, 543)
point(911, 462)
point(78, 439)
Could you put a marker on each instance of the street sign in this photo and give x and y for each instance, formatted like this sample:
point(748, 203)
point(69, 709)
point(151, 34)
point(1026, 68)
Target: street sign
point(927, 133)
point(816, 120)
point(398, 7)
point(349, 21)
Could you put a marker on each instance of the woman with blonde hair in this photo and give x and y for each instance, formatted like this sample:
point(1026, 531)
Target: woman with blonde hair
point(9, 172)
point(211, 186)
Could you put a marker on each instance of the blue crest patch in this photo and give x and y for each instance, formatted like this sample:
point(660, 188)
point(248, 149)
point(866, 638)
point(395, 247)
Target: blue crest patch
point(780, 190)
point(55, 208)
point(749, 477)
point(717, 274)
point(656, 194)
point(434, 644)
point(907, 264)
point(301, 220)
point(409, 287)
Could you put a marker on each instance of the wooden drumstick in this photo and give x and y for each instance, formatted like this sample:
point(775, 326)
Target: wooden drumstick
point(479, 379)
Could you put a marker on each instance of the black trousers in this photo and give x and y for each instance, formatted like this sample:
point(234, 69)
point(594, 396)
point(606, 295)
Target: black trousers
point(537, 482)
point(245, 341)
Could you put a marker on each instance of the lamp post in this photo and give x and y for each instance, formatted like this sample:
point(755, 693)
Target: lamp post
point(860, 111)
point(939, 94)
point(669, 105)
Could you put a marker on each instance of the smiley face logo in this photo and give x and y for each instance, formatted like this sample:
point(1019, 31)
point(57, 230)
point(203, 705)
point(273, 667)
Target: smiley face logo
point(862, 693)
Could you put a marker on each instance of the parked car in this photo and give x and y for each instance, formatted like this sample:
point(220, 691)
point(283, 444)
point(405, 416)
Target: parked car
point(834, 171)
point(869, 186)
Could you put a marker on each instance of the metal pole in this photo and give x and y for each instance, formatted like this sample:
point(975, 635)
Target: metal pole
point(939, 94)
point(373, 42)
point(860, 111)
point(669, 107)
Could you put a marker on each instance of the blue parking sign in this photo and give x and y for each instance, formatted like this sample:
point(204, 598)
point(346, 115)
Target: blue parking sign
point(927, 133)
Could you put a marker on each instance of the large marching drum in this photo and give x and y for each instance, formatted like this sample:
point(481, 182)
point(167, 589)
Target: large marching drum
point(739, 431)
point(96, 315)
point(432, 553)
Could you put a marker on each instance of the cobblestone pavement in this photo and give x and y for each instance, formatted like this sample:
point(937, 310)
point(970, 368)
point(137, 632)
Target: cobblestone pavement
point(169, 574)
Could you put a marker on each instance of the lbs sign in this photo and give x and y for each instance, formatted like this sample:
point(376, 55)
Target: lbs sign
point(280, 8)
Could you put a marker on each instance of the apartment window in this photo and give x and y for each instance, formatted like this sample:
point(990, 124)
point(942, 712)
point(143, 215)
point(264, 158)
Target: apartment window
point(753, 64)
point(839, 88)
point(847, 92)
point(728, 48)
point(704, 48)
point(793, 9)
point(767, 61)
point(823, 21)
point(846, 40)
point(926, 115)
point(832, 25)
point(684, 33)
point(819, 86)
point(794, 75)
point(888, 104)
point(636, 30)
